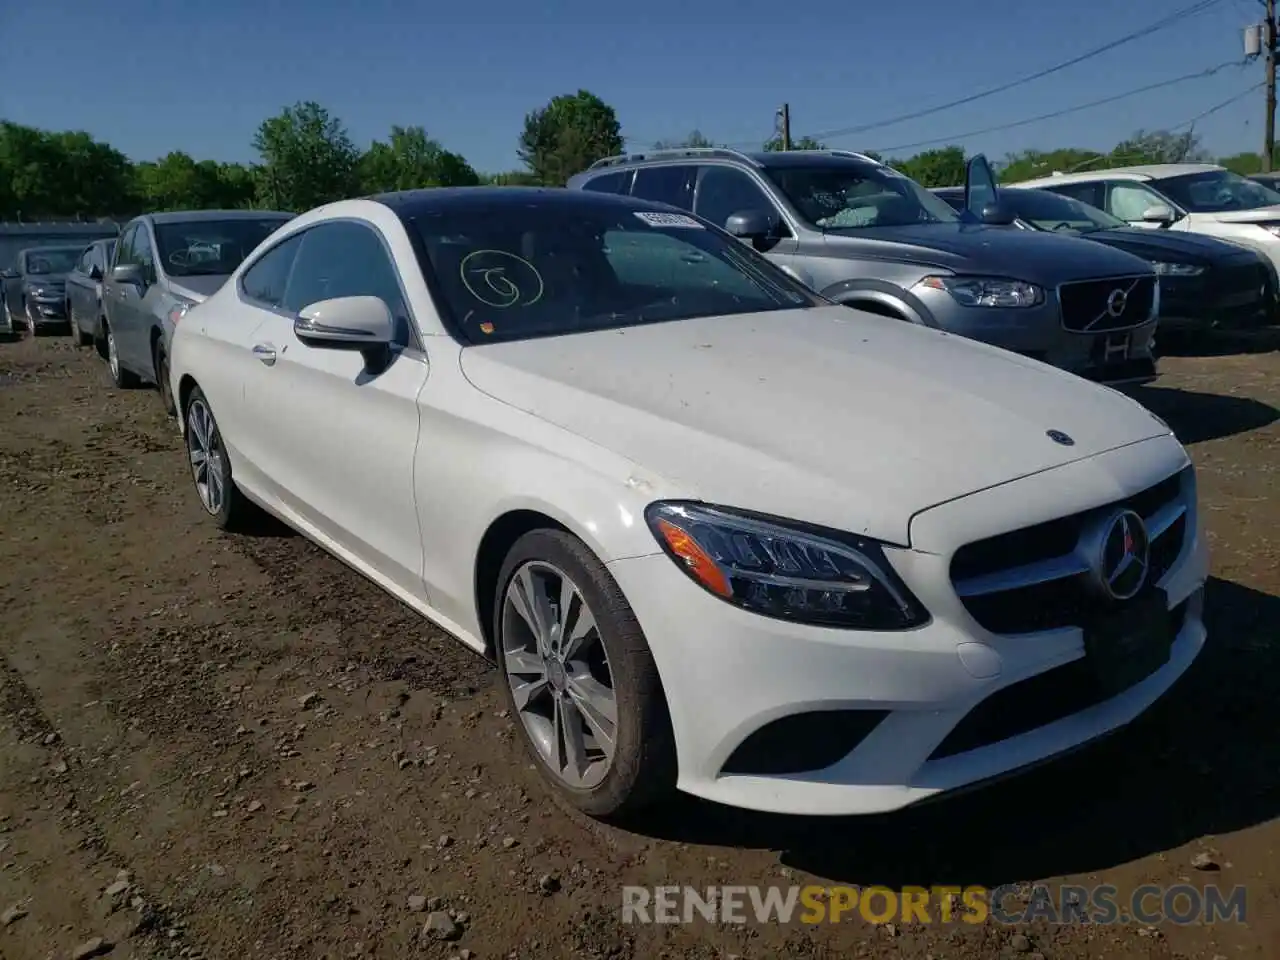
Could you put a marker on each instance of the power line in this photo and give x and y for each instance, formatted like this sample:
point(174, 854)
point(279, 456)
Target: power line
point(1221, 106)
point(1167, 21)
point(1027, 121)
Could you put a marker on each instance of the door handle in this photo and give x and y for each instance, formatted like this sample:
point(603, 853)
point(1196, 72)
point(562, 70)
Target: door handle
point(265, 352)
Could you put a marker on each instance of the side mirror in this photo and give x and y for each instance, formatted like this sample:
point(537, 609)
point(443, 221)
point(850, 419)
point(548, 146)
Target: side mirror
point(1158, 214)
point(8, 273)
point(996, 214)
point(349, 323)
point(130, 273)
point(749, 225)
point(95, 272)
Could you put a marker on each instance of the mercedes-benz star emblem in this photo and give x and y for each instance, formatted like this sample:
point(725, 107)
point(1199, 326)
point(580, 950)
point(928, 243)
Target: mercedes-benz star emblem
point(1117, 300)
point(1057, 436)
point(1123, 556)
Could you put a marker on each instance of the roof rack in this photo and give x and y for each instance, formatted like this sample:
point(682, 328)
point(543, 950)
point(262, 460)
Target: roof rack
point(674, 153)
point(854, 155)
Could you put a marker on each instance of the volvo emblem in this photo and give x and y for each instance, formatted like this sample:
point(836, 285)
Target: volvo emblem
point(1117, 300)
point(1057, 436)
point(1121, 555)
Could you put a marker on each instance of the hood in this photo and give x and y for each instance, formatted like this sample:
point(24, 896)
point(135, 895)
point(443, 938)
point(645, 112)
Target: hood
point(198, 288)
point(1171, 245)
point(1258, 215)
point(827, 415)
point(1041, 258)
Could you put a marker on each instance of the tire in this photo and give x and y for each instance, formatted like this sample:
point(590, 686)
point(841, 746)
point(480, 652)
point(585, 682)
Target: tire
point(230, 510)
point(161, 365)
point(122, 378)
point(642, 769)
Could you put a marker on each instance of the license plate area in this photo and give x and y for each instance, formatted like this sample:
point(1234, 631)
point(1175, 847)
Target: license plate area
point(1111, 348)
point(1129, 642)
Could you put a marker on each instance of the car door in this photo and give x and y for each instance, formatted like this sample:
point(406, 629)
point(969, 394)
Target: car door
point(721, 191)
point(79, 288)
point(121, 301)
point(134, 338)
point(335, 443)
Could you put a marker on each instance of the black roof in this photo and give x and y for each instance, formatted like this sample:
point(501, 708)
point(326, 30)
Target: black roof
point(413, 203)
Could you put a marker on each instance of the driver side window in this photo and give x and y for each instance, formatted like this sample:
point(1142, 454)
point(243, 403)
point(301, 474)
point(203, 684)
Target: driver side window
point(345, 259)
point(124, 249)
point(724, 191)
point(143, 255)
point(1129, 201)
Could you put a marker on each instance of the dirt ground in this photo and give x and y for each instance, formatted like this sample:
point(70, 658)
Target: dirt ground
point(233, 747)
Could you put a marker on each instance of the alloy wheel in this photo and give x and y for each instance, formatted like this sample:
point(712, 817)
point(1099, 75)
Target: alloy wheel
point(113, 358)
point(204, 447)
point(559, 674)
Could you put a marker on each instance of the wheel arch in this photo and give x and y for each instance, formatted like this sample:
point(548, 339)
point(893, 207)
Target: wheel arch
point(495, 544)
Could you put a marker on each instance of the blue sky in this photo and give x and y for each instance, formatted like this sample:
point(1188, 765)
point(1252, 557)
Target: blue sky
point(149, 76)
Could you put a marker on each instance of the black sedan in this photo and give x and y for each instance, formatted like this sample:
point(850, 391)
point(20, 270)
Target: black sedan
point(1204, 282)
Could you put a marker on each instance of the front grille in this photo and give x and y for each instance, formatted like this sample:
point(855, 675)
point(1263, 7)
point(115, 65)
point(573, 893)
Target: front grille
point(1240, 293)
point(1033, 703)
point(1036, 579)
point(1087, 305)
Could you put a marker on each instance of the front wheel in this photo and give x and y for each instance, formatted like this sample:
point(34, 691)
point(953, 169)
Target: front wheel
point(580, 678)
point(210, 465)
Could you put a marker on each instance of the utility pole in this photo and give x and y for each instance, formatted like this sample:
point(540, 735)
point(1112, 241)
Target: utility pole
point(784, 113)
point(1269, 42)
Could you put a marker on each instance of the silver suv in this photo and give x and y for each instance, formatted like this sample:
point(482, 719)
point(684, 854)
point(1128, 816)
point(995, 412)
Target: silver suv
point(864, 235)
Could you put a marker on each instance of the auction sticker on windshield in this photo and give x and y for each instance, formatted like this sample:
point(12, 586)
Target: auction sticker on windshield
point(669, 220)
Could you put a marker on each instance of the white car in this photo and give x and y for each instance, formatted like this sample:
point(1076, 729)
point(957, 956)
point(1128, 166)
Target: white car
point(1195, 197)
point(719, 534)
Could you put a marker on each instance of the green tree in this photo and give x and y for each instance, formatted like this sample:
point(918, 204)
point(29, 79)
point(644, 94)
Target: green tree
point(61, 174)
point(1158, 146)
point(774, 144)
point(511, 178)
point(1029, 164)
point(410, 159)
point(934, 168)
point(694, 140)
point(178, 182)
point(237, 186)
point(568, 135)
point(308, 158)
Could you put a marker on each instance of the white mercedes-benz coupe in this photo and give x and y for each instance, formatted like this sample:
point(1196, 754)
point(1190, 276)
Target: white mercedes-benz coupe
point(719, 534)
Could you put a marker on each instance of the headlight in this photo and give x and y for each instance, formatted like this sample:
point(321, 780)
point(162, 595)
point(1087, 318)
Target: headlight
point(1177, 269)
point(789, 572)
point(986, 291)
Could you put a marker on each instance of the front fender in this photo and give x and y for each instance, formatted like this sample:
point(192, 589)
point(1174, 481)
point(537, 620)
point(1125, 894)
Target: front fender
point(851, 293)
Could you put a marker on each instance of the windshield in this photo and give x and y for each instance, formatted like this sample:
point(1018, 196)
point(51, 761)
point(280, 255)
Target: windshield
point(512, 272)
point(1049, 211)
point(1217, 191)
point(851, 196)
point(51, 260)
point(203, 248)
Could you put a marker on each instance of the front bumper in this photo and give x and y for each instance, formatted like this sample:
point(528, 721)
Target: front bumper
point(1228, 297)
point(735, 681)
point(46, 310)
point(1113, 357)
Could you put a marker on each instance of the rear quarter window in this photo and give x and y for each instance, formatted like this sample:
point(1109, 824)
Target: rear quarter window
point(618, 182)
